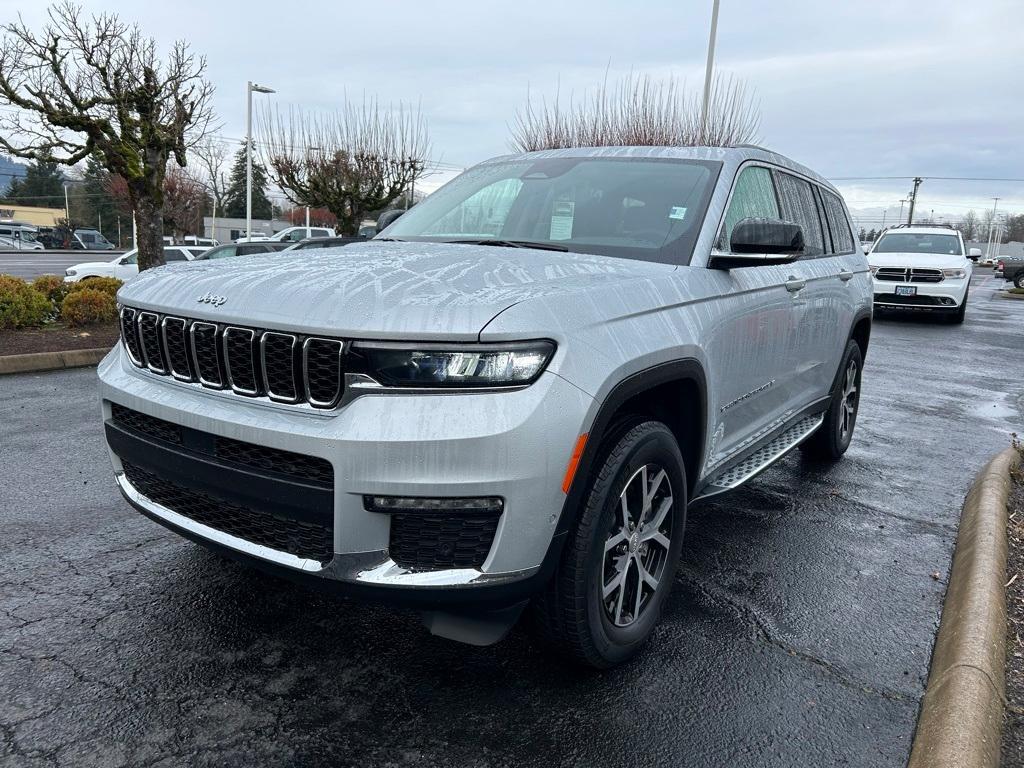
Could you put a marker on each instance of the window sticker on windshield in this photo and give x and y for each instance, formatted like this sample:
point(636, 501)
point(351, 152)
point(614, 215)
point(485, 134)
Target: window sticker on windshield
point(677, 212)
point(561, 220)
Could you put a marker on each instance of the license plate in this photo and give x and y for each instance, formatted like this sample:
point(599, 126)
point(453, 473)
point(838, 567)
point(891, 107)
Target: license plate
point(906, 290)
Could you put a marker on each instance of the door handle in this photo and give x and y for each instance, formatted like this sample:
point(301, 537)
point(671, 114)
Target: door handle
point(794, 284)
point(845, 274)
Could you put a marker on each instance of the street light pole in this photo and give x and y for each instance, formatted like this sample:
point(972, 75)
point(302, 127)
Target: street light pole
point(709, 68)
point(250, 87)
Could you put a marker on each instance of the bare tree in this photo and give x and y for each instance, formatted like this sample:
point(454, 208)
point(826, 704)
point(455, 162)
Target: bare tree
point(358, 160)
point(639, 111)
point(184, 201)
point(95, 87)
point(211, 157)
point(969, 225)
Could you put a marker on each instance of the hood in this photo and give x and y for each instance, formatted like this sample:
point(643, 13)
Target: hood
point(402, 290)
point(92, 265)
point(928, 260)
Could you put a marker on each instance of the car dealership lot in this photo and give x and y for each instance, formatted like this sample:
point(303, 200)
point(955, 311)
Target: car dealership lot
point(799, 632)
point(30, 264)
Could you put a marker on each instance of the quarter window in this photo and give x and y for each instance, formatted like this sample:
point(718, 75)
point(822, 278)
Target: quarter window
point(753, 196)
point(799, 206)
point(842, 235)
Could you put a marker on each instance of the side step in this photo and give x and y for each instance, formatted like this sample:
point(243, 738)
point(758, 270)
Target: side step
point(762, 458)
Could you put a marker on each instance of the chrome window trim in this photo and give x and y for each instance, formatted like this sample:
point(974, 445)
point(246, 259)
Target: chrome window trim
point(227, 359)
point(263, 365)
point(142, 341)
point(184, 330)
point(342, 348)
point(195, 357)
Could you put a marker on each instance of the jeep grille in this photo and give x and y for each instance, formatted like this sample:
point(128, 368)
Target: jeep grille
point(252, 362)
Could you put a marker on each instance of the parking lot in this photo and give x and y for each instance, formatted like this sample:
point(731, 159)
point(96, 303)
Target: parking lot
point(799, 632)
point(30, 264)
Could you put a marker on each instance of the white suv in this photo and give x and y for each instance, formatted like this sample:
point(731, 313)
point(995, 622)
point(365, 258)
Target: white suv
point(921, 269)
point(126, 266)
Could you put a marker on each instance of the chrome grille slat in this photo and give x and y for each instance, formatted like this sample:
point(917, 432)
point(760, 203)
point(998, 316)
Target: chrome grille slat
point(148, 324)
point(279, 366)
point(240, 360)
point(321, 364)
point(205, 354)
point(176, 347)
point(282, 367)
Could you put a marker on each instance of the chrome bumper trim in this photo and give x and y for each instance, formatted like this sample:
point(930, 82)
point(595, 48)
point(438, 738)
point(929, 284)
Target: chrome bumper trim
point(369, 568)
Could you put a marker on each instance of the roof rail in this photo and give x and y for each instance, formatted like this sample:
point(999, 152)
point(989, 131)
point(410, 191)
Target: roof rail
point(922, 226)
point(754, 146)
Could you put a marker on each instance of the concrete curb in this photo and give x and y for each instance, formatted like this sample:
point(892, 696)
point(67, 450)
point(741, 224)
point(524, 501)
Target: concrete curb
point(50, 361)
point(1006, 295)
point(962, 710)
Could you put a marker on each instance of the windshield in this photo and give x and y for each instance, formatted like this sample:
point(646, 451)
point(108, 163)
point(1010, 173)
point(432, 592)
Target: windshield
point(635, 208)
point(919, 242)
point(28, 235)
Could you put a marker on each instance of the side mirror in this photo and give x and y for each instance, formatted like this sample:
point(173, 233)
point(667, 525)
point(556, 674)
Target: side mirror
point(866, 247)
point(761, 242)
point(388, 218)
point(974, 253)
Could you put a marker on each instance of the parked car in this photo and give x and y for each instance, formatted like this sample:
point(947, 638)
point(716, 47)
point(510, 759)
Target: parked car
point(290, 235)
point(489, 405)
point(92, 240)
point(209, 242)
point(229, 250)
point(1012, 269)
point(22, 237)
point(921, 269)
point(325, 242)
point(126, 267)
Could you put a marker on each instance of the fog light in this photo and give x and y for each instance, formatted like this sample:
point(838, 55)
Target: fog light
point(419, 504)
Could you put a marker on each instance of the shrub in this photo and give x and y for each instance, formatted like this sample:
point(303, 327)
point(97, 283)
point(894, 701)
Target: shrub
point(107, 285)
point(88, 306)
point(52, 287)
point(20, 305)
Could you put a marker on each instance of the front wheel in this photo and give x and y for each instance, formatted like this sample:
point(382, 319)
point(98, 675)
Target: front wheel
point(961, 312)
point(832, 438)
point(618, 565)
point(1018, 279)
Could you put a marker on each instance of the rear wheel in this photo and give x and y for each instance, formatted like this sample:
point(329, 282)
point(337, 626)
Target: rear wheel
point(618, 565)
point(1018, 279)
point(832, 438)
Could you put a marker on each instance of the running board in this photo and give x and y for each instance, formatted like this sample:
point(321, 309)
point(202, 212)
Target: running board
point(762, 458)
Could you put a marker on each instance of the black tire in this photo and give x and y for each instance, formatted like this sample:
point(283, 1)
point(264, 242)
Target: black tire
point(961, 313)
point(572, 615)
point(832, 438)
point(1018, 279)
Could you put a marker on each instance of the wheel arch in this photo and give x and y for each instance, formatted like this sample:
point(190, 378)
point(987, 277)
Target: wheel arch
point(650, 393)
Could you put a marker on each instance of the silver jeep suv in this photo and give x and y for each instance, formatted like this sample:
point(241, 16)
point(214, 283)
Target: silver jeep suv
point(511, 395)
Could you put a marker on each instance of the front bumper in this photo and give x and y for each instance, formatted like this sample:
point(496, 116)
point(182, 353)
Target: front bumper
point(946, 296)
point(514, 445)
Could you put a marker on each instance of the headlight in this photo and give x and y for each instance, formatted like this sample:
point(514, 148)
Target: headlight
point(70, 272)
point(455, 365)
point(955, 272)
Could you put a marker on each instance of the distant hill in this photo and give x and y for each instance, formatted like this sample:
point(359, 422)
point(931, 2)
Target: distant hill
point(8, 170)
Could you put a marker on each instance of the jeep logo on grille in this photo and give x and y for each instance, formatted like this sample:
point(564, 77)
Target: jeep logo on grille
point(211, 298)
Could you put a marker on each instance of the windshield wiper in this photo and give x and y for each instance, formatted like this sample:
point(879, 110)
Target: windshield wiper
point(513, 244)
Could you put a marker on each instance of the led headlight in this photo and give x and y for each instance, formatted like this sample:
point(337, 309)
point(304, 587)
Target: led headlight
point(455, 365)
point(955, 272)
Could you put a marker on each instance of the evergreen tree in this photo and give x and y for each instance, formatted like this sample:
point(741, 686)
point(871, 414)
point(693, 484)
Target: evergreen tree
point(99, 207)
point(234, 196)
point(42, 185)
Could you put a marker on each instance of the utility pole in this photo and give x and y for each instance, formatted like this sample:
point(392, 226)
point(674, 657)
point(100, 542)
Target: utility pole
point(901, 209)
point(708, 70)
point(250, 87)
point(991, 227)
point(913, 199)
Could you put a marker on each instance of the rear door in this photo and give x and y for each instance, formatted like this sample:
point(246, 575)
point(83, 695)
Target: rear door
point(751, 338)
point(849, 284)
point(813, 362)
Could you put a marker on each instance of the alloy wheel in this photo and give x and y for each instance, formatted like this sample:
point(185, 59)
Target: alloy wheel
point(849, 405)
point(637, 547)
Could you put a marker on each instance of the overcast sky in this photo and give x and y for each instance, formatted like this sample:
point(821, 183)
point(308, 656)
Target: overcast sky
point(865, 88)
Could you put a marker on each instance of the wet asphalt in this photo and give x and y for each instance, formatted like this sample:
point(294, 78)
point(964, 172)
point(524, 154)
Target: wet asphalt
point(799, 632)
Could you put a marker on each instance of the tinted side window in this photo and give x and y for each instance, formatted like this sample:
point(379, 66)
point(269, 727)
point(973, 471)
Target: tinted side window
point(245, 250)
point(753, 196)
point(798, 206)
point(173, 254)
point(842, 236)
